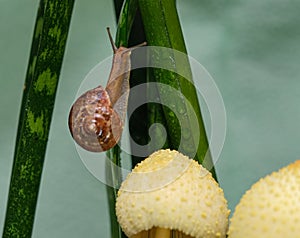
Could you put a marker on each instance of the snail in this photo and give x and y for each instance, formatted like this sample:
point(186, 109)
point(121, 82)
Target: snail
point(97, 117)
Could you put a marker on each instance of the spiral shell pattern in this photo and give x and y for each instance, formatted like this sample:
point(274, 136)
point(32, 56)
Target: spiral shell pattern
point(93, 122)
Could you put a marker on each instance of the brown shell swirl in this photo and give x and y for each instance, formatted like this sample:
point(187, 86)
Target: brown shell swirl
point(93, 123)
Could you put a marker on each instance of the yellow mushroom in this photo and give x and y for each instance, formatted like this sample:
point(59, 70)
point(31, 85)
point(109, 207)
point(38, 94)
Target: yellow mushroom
point(271, 207)
point(169, 195)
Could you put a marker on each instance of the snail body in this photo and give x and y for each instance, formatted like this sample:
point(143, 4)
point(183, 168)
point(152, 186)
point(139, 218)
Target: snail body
point(97, 117)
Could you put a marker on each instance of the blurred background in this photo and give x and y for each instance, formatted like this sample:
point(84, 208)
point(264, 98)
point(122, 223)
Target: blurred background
point(251, 49)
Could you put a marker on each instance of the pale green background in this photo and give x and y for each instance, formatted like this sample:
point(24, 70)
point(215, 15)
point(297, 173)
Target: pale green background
point(251, 48)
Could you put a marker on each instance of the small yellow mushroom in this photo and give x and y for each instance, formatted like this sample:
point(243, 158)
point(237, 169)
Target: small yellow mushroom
point(271, 207)
point(169, 195)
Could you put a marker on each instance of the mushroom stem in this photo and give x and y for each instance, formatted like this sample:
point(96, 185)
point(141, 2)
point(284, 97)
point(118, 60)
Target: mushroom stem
point(157, 232)
point(142, 234)
point(162, 233)
point(152, 232)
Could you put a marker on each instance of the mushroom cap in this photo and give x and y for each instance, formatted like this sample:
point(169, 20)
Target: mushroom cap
point(169, 190)
point(271, 207)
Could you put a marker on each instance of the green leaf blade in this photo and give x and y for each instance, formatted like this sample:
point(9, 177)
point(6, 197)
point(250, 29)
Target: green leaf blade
point(47, 50)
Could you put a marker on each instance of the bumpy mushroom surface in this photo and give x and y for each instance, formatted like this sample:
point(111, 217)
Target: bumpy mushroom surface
point(271, 207)
point(168, 192)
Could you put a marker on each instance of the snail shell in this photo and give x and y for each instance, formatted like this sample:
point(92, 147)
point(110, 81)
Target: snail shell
point(93, 123)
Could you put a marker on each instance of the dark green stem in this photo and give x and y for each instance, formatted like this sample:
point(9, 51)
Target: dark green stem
point(47, 51)
point(113, 174)
point(162, 28)
point(125, 22)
